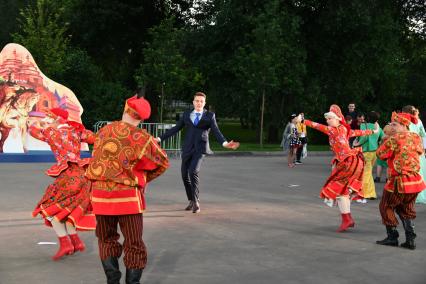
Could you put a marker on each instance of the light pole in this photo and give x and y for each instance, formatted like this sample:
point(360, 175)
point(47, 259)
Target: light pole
point(162, 102)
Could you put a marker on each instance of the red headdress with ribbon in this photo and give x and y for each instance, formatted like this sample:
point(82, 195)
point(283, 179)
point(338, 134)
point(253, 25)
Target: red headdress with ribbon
point(403, 118)
point(336, 112)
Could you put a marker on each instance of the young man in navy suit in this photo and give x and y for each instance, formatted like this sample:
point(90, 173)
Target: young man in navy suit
point(198, 123)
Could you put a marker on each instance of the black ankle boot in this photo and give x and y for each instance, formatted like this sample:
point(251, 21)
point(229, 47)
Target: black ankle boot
point(410, 235)
point(112, 270)
point(392, 238)
point(133, 276)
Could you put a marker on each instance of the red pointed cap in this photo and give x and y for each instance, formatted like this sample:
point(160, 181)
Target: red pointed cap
point(138, 108)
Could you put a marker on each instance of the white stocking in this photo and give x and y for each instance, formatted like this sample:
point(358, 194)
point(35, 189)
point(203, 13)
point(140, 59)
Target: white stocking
point(70, 228)
point(59, 228)
point(344, 204)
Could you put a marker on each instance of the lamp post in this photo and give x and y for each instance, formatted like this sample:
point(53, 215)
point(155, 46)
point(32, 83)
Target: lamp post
point(162, 102)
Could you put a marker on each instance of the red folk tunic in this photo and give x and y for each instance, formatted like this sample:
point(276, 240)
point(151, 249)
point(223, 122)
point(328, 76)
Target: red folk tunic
point(346, 176)
point(68, 197)
point(125, 158)
point(402, 152)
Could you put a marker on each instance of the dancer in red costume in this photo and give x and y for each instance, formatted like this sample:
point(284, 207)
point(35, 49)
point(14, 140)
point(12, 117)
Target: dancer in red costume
point(402, 151)
point(125, 159)
point(345, 181)
point(65, 205)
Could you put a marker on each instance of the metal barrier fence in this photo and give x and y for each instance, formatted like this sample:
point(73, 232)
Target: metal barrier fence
point(171, 145)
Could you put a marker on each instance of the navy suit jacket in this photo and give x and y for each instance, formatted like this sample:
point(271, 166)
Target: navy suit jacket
point(196, 137)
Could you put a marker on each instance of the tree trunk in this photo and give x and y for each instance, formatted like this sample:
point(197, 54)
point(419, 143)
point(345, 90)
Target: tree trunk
point(261, 118)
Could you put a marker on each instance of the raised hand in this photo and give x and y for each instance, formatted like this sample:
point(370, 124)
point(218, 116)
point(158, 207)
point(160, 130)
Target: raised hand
point(376, 128)
point(232, 145)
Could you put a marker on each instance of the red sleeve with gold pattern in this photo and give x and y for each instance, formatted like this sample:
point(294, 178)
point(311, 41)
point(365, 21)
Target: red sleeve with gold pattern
point(320, 127)
point(153, 162)
point(42, 134)
point(419, 145)
point(358, 132)
point(386, 150)
point(88, 136)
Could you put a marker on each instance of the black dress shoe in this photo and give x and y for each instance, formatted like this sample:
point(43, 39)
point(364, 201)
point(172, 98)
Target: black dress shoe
point(190, 206)
point(196, 207)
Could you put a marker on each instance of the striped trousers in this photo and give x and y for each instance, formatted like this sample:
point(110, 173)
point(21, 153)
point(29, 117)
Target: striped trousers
point(401, 203)
point(131, 226)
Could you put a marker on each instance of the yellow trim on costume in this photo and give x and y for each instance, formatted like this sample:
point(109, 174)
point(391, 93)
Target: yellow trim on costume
point(117, 200)
point(144, 147)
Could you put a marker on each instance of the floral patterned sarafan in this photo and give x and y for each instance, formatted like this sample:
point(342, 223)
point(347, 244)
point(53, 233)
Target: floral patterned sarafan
point(348, 162)
point(65, 142)
point(125, 159)
point(68, 197)
point(402, 152)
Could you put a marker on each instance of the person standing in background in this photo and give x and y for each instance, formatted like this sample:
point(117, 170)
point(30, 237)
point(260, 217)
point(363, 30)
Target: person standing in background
point(419, 129)
point(369, 146)
point(294, 139)
point(301, 129)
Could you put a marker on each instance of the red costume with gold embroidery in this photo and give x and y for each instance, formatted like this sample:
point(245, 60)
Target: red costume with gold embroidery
point(402, 151)
point(68, 197)
point(348, 162)
point(125, 159)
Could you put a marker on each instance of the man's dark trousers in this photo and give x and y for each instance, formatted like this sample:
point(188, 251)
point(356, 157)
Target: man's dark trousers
point(190, 168)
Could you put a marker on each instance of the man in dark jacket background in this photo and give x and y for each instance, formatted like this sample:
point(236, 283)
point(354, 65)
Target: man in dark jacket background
point(198, 123)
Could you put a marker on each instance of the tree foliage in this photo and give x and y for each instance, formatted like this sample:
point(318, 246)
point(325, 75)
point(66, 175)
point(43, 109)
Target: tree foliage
point(302, 55)
point(43, 33)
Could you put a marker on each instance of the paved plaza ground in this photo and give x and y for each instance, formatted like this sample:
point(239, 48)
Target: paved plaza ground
point(261, 222)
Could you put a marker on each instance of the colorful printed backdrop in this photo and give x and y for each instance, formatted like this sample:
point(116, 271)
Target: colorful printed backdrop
point(25, 92)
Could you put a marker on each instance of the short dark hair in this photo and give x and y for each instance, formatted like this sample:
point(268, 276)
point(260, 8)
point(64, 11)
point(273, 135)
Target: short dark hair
point(200, 94)
point(373, 117)
point(360, 114)
point(409, 109)
point(139, 92)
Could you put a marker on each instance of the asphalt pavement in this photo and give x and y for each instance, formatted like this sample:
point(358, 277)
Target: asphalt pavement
point(260, 222)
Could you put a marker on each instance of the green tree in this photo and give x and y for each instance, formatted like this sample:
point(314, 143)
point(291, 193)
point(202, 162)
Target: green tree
point(43, 33)
point(271, 67)
point(165, 68)
point(8, 20)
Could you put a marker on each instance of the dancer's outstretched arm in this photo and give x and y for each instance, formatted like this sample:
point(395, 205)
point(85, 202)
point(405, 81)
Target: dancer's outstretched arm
point(358, 132)
point(318, 126)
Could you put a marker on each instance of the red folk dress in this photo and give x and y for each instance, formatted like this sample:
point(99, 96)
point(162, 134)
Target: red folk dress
point(67, 199)
point(125, 158)
point(402, 152)
point(346, 176)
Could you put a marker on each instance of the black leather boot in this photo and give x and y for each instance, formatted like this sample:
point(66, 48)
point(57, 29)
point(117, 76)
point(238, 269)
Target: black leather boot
point(112, 270)
point(392, 238)
point(133, 276)
point(410, 235)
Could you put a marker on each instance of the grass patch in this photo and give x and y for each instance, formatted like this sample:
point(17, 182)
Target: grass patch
point(255, 147)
